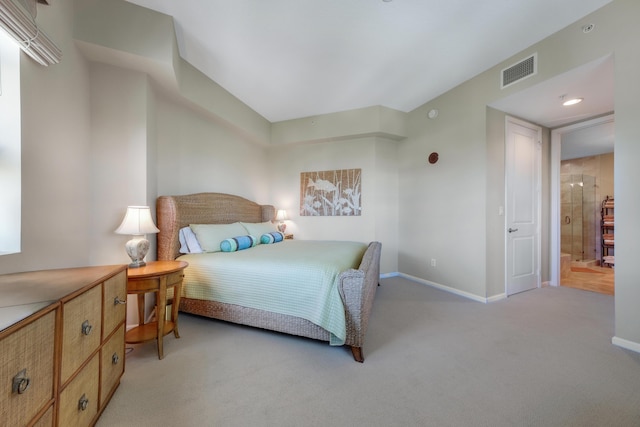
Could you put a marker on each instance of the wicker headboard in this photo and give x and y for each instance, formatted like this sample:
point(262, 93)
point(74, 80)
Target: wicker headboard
point(175, 212)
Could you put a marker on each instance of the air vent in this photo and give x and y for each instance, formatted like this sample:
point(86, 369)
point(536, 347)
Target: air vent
point(519, 71)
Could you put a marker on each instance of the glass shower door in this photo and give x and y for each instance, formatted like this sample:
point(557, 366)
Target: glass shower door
point(578, 209)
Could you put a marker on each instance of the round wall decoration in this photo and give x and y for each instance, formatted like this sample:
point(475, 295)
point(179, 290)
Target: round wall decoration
point(433, 157)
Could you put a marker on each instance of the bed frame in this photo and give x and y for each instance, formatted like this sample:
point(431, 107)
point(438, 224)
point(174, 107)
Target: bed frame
point(357, 287)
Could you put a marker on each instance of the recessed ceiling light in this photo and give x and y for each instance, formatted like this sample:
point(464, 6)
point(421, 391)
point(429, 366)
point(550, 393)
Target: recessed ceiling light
point(572, 101)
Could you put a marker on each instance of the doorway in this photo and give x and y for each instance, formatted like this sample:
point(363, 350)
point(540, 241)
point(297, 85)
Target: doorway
point(582, 268)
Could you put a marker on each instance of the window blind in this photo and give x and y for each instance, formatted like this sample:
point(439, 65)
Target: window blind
point(17, 17)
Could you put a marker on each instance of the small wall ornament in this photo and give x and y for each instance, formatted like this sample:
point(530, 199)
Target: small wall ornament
point(433, 157)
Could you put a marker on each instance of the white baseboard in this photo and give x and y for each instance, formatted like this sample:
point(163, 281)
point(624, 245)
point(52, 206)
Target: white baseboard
point(497, 297)
point(629, 345)
point(453, 290)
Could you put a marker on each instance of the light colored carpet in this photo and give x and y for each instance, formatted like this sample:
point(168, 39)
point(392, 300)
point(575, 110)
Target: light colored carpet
point(540, 358)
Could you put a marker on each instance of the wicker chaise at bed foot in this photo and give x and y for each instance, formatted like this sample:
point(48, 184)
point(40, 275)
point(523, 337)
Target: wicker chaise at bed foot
point(357, 287)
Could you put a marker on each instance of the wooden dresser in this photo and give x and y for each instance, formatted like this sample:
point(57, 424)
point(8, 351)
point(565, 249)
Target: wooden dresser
point(61, 344)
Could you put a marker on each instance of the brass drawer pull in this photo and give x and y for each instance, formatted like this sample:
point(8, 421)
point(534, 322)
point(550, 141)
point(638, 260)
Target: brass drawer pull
point(115, 359)
point(117, 301)
point(21, 382)
point(83, 403)
point(86, 328)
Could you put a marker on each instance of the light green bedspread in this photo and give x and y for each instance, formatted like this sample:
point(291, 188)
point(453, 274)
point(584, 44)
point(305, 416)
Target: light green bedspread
point(293, 277)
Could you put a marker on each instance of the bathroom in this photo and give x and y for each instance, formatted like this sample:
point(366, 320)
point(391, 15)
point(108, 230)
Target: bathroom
point(585, 183)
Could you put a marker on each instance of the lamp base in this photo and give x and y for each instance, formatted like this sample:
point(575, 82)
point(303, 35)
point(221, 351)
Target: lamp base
point(282, 227)
point(137, 264)
point(137, 249)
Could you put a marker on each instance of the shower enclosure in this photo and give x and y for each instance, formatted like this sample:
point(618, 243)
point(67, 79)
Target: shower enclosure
point(579, 211)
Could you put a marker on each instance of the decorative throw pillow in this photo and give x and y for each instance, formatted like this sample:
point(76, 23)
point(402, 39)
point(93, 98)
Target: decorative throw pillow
point(211, 235)
point(273, 237)
point(259, 228)
point(237, 243)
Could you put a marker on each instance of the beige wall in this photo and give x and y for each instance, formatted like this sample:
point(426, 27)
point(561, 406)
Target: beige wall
point(495, 199)
point(119, 162)
point(607, 173)
point(442, 212)
point(379, 220)
point(196, 154)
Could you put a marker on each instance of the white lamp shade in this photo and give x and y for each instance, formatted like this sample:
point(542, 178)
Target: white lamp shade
point(137, 221)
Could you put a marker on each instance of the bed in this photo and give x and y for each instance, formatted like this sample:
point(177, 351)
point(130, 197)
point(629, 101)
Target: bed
point(354, 286)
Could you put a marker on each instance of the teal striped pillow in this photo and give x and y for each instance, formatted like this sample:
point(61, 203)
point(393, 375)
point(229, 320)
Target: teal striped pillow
point(273, 237)
point(238, 243)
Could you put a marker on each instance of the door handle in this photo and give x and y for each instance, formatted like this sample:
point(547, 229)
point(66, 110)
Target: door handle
point(511, 230)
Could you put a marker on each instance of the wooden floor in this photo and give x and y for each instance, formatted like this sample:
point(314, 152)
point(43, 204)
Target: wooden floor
point(595, 279)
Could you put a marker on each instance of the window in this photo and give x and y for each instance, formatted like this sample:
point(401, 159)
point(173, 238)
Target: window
point(18, 19)
point(10, 136)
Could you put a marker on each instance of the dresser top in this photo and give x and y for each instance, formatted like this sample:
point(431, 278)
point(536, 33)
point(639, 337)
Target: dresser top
point(22, 294)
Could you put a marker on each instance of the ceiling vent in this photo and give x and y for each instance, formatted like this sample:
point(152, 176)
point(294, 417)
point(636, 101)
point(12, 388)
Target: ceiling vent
point(519, 71)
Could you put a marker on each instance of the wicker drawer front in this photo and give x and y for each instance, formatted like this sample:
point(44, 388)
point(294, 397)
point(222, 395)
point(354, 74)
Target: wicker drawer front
point(82, 321)
point(115, 297)
point(31, 348)
point(112, 364)
point(79, 400)
point(46, 420)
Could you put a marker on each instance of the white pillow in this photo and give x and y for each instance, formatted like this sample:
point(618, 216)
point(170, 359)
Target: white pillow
point(211, 235)
point(259, 228)
point(183, 243)
point(188, 241)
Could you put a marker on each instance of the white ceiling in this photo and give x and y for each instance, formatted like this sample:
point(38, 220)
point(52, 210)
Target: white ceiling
point(297, 58)
point(588, 141)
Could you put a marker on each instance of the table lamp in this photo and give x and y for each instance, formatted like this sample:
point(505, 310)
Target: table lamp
point(281, 216)
point(137, 222)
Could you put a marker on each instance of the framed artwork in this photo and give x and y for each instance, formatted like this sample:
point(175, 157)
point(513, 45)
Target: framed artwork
point(331, 193)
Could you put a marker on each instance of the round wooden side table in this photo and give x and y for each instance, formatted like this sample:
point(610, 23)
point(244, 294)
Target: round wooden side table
point(156, 276)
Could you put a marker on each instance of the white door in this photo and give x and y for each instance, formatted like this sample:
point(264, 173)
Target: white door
point(523, 182)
